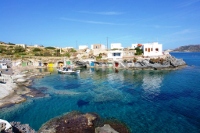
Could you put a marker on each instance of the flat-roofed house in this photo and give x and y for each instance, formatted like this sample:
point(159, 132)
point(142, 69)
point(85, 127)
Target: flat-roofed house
point(115, 54)
point(134, 46)
point(116, 46)
point(152, 49)
point(82, 47)
point(98, 46)
point(38, 46)
point(22, 45)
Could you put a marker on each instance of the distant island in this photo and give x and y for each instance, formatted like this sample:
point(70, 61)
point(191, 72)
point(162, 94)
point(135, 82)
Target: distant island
point(188, 48)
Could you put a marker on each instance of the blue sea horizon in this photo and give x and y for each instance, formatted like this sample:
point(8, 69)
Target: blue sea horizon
point(164, 101)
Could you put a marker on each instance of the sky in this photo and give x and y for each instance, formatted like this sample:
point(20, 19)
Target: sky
point(70, 23)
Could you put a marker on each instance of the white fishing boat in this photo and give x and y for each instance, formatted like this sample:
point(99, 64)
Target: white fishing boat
point(68, 71)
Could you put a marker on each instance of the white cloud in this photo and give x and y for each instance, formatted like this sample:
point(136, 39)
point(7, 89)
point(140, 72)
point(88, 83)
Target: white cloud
point(90, 21)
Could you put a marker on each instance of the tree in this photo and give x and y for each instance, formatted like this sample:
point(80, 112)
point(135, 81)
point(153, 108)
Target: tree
point(138, 51)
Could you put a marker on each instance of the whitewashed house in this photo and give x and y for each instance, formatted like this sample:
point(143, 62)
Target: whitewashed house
point(22, 45)
point(115, 54)
point(116, 46)
point(152, 49)
point(82, 47)
point(38, 46)
point(134, 46)
point(98, 46)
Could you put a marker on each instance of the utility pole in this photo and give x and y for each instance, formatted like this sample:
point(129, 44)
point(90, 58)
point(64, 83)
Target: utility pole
point(76, 45)
point(107, 43)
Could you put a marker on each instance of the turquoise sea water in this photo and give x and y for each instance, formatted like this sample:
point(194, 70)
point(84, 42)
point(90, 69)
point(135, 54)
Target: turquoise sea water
point(147, 101)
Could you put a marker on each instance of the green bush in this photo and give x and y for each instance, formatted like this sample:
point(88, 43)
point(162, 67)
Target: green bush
point(50, 48)
point(67, 54)
point(72, 50)
point(11, 43)
point(19, 49)
point(36, 49)
point(2, 49)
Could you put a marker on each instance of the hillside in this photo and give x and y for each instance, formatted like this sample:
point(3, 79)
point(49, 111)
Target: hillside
point(188, 48)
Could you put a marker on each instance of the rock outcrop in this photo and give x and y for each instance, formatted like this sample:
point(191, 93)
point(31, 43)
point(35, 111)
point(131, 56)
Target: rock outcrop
point(73, 122)
point(159, 63)
point(80, 64)
point(15, 127)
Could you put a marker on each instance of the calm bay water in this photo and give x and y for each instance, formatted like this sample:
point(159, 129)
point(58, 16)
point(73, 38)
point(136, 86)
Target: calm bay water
point(147, 101)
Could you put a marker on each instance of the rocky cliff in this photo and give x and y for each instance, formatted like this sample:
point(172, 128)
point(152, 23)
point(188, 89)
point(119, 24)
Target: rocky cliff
point(188, 48)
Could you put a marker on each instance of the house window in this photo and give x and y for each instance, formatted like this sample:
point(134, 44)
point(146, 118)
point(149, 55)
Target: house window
point(116, 54)
point(156, 49)
point(145, 49)
point(151, 49)
point(96, 47)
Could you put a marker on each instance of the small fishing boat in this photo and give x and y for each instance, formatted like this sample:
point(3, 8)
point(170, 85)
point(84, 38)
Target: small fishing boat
point(68, 71)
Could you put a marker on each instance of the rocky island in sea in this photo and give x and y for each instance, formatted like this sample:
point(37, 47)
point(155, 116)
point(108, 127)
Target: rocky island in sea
point(188, 48)
point(17, 73)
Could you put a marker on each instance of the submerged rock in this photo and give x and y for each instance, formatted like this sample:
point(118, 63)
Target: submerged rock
point(76, 122)
point(81, 103)
point(73, 122)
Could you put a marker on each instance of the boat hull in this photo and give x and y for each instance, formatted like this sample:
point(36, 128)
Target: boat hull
point(68, 72)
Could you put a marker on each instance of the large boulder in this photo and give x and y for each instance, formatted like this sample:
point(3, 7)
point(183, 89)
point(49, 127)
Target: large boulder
point(74, 122)
point(174, 61)
point(5, 126)
point(15, 127)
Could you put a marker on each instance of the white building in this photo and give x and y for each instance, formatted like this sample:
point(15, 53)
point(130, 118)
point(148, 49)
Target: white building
point(116, 46)
point(38, 45)
point(152, 49)
point(22, 45)
point(82, 47)
point(117, 54)
point(98, 46)
point(134, 46)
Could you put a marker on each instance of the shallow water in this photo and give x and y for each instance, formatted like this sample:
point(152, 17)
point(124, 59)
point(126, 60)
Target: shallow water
point(147, 101)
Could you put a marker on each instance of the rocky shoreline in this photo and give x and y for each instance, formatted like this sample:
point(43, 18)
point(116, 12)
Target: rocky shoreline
point(74, 121)
point(19, 86)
